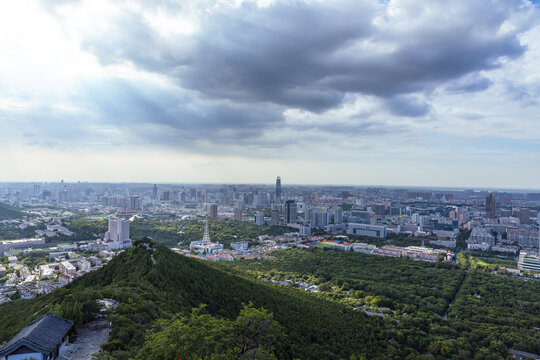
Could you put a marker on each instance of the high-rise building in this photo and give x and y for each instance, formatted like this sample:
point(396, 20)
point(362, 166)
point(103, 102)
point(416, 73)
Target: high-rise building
point(36, 190)
point(118, 234)
point(490, 206)
point(290, 212)
point(212, 210)
point(278, 189)
point(538, 222)
point(323, 219)
point(63, 196)
point(259, 218)
point(275, 217)
point(237, 214)
point(154, 192)
point(524, 215)
point(134, 202)
point(305, 230)
point(166, 195)
point(338, 215)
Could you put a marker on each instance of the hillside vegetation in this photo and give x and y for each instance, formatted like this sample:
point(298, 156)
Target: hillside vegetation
point(425, 311)
point(313, 328)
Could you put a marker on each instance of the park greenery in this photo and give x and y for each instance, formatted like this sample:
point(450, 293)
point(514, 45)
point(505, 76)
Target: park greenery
point(443, 310)
point(171, 233)
point(12, 231)
point(8, 212)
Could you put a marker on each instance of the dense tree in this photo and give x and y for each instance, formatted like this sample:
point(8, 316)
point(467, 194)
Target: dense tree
point(203, 336)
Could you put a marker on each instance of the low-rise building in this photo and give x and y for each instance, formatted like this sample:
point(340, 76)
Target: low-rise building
point(45, 338)
point(363, 248)
point(67, 268)
point(366, 230)
point(529, 262)
point(239, 245)
point(478, 246)
point(481, 235)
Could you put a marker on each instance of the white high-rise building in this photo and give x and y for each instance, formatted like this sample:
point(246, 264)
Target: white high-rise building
point(118, 234)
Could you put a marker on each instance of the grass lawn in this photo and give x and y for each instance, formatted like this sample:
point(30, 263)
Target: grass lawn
point(325, 244)
point(484, 261)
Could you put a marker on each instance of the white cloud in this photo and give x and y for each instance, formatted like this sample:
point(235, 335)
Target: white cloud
point(383, 92)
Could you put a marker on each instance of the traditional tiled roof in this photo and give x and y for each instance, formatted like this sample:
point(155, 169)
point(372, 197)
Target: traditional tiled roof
point(41, 335)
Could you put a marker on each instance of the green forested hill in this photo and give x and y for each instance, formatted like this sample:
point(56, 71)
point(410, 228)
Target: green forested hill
point(8, 212)
point(151, 286)
point(436, 311)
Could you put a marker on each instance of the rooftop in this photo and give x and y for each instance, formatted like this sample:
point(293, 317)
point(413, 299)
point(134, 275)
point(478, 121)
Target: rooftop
point(41, 335)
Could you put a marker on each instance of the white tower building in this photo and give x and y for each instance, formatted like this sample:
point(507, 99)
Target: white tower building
point(118, 234)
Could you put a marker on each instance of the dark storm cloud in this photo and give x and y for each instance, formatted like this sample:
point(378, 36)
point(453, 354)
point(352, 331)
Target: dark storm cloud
point(233, 78)
point(119, 112)
point(310, 56)
point(180, 118)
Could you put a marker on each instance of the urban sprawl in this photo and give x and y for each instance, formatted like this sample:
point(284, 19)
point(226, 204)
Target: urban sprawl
point(443, 222)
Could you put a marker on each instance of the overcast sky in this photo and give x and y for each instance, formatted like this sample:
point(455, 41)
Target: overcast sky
point(425, 93)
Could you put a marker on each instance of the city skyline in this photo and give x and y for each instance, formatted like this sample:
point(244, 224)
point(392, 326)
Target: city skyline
point(392, 93)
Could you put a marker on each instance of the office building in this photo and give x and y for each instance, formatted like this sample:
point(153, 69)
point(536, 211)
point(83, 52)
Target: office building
point(490, 206)
point(275, 217)
point(154, 192)
point(259, 218)
point(366, 230)
point(213, 211)
point(134, 202)
point(524, 216)
point(290, 212)
point(278, 189)
point(166, 195)
point(36, 190)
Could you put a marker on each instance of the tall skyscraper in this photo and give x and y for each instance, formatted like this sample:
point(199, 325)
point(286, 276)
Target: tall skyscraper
point(154, 192)
point(290, 212)
point(278, 189)
point(490, 206)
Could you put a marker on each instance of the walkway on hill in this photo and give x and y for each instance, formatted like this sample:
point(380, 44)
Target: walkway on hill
point(89, 337)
